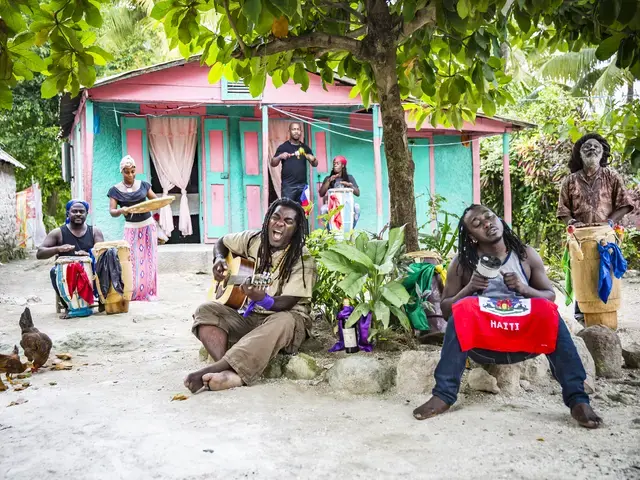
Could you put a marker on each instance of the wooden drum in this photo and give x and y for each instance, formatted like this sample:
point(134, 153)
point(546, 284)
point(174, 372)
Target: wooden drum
point(115, 302)
point(585, 267)
point(76, 306)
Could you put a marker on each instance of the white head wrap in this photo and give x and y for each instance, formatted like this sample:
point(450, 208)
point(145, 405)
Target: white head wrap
point(127, 161)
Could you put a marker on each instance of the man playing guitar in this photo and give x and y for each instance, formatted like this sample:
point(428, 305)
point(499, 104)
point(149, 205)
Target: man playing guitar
point(275, 318)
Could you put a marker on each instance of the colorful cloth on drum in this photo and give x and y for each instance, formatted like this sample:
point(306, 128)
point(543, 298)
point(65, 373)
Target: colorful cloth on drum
point(109, 272)
point(610, 259)
point(143, 240)
point(510, 325)
point(334, 202)
point(79, 282)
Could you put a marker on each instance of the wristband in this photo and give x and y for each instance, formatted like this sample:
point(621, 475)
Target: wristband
point(266, 303)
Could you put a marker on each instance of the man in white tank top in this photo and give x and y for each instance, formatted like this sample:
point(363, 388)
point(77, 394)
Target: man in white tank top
point(522, 277)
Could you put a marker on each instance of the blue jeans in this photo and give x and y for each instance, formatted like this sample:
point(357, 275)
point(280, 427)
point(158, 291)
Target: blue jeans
point(565, 362)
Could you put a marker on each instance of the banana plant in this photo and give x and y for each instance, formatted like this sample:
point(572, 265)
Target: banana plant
point(373, 277)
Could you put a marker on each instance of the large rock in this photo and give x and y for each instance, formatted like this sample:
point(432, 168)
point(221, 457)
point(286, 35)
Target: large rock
point(275, 367)
point(301, 367)
point(631, 355)
point(588, 364)
point(605, 348)
point(360, 375)
point(415, 371)
point(536, 371)
point(481, 380)
point(508, 377)
point(572, 324)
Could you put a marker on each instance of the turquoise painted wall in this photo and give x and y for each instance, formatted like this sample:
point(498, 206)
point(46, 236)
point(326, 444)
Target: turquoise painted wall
point(454, 173)
point(107, 153)
point(237, 208)
point(421, 181)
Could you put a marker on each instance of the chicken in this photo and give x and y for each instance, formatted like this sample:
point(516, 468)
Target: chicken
point(36, 344)
point(10, 364)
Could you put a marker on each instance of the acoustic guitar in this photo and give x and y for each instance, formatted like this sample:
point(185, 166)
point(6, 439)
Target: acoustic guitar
point(229, 291)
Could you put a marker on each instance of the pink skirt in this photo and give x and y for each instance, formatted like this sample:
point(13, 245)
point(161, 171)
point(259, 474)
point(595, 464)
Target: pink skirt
point(143, 240)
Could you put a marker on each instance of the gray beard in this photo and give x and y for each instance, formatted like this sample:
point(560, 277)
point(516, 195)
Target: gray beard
point(591, 163)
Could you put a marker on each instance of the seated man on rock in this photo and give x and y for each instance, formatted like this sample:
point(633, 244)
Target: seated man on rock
point(275, 318)
point(503, 315)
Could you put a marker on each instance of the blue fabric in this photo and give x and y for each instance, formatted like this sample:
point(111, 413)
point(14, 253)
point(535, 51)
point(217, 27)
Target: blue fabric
point(609, 261)
point(71, 203)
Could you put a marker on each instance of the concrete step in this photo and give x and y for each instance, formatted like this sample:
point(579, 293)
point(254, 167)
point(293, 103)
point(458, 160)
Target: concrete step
point(185, 258)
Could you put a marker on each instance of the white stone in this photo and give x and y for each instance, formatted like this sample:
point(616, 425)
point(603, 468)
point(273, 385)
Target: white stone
point(415, 371)
point(536, 371)
point(360, 375)
point(301, 367)
point(481, 380)
point(508, 377)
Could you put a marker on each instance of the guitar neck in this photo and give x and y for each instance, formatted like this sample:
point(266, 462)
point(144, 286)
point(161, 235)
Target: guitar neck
point(237, 279)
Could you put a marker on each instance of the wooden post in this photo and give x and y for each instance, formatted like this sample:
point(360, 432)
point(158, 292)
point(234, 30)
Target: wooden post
point(265, 157)
point(475, 154)
point(507, 178)
point(377, 163)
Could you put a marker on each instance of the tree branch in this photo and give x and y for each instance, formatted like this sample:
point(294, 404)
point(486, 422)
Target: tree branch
point(344, 6)
point(243, 47)
point(425, 16)
point(309, 40)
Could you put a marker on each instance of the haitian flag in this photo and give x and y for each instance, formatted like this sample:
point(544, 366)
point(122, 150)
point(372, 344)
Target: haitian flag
point(307, 204)
point(506, 325)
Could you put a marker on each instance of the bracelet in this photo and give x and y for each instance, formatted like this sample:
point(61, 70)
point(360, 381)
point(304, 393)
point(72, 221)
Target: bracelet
point(266, 303)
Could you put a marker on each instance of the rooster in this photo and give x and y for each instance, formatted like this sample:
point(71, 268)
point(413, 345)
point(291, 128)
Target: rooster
point(36, 344)
point(10, 364)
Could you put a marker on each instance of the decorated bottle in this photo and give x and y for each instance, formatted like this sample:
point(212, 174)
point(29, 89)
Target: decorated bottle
point(349, 334)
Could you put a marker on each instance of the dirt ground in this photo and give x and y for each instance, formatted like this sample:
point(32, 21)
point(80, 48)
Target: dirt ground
point(112, 416)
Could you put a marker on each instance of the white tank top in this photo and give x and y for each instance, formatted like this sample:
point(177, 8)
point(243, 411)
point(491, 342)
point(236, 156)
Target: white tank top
point(497, 288)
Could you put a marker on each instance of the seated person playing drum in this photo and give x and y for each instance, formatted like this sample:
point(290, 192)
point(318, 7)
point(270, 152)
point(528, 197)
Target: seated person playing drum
point(74, 239)
point(275, 319)
point(339, 178)
point(505, 319)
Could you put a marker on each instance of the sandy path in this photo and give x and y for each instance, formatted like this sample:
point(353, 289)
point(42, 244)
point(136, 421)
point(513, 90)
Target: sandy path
point(111, 416)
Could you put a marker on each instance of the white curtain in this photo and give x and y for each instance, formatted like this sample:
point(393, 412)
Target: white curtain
point(173, 147)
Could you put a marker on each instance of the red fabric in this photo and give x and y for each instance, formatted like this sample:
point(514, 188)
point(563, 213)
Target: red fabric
point(513, 325)
point(77, 279)
point(341, 159)
point(337, 218)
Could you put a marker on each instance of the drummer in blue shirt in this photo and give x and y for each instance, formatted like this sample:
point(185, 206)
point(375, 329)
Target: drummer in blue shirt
point(339, 178)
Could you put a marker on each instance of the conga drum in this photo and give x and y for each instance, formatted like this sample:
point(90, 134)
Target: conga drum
point(585, 267)
point(116, 302)
point(76, 305)
point(342, 222)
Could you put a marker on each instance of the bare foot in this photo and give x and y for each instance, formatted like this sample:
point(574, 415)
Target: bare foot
point(194, 382)
point(435, 406)
point(585, 416)
point(222, 381)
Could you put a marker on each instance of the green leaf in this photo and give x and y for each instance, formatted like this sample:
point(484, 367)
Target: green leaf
point(396, 241)
point(608, 11)
point(49, 89)
point(463, 8)
point(6, 97)
point(488, 107)
point(352, 284)
point(395, 293)
point(301, 77)
point(276, 78)
point(160, 9)
point(252, 9)
point(72, 38)
point(86, 75)
point(92, 15)
point(376, 250)
point(609, 46)
point(12, 17)
point(256, 85)
point(361, 242)
point(381, 313)
point(100, 56)
point(215, 74)
point(409, 10)
point(402, 317)
point(360, 311)
point(523, 19)
point(335, 262)
point(353, 254)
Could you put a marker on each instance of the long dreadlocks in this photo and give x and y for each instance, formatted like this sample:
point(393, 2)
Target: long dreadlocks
point(294, 250)
point(468, 250)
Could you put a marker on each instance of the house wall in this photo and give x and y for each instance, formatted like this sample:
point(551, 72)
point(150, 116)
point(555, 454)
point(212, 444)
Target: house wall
point(454, 173)
point(7, 205)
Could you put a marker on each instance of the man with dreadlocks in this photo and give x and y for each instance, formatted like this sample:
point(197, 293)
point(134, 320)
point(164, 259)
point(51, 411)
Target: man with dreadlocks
point(502, 320)
point(275, 319)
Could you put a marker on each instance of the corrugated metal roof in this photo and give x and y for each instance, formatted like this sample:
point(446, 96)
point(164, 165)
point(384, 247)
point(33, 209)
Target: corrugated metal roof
point(5, 157)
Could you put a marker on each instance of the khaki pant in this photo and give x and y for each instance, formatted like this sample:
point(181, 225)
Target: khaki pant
point(256, 339)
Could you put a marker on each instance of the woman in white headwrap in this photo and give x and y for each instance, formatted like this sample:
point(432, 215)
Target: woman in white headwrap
point(139, 230)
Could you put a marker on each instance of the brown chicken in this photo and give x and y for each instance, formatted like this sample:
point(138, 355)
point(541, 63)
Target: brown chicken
point(36, 344)
point(10, 364)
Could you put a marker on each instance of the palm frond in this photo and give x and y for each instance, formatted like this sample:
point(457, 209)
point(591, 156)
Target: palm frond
point(569, 66)
point(612, 78)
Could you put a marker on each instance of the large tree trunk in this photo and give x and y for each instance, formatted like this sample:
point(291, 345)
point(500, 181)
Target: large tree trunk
point(381, 48)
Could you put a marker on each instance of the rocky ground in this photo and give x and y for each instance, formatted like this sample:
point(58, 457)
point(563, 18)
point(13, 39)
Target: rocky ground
point(112, 415)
